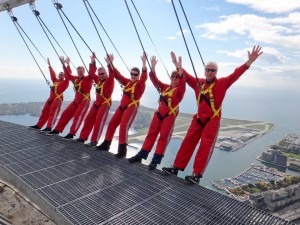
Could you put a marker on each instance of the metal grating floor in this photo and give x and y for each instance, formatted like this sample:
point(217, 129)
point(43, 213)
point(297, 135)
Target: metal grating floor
point(89, 187)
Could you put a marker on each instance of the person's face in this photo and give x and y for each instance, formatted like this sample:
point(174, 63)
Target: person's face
point(61, 76)
point(210, 72)
point(174, 79)
point(134, 75)
point(102, 73)
point(80, 72)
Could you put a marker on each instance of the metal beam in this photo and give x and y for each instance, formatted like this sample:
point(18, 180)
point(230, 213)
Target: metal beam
point(10, 4)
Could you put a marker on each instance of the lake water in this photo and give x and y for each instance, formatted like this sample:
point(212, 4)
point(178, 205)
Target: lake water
point(278, 107)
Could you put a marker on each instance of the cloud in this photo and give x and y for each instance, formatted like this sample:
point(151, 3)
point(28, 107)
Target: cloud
point(282, 31)
point(270, 55)
point(170, 38)
point(282, 77)
point(270, 6)
point(213, 8)
point(184, 31)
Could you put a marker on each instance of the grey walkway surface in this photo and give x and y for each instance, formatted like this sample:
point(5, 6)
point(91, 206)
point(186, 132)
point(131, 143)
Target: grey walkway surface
point(74, 184)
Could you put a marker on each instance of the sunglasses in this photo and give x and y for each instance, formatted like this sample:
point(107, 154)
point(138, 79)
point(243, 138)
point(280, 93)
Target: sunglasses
point(134, 74)
point(210, 70)
point(175, 77)
point(101, 73)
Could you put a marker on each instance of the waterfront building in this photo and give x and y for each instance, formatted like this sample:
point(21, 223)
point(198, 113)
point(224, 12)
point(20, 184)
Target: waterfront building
point(278, 199)
point(276, 157)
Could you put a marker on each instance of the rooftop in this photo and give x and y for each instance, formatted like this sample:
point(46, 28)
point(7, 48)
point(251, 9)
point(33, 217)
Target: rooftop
point(75, 185)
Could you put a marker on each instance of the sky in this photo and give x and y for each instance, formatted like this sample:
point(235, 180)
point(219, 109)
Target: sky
point(224, 31)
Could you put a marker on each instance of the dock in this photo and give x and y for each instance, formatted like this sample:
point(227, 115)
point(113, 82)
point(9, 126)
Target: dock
point(74, 184)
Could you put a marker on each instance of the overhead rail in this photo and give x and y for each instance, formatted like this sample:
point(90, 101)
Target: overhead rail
point(4, 4)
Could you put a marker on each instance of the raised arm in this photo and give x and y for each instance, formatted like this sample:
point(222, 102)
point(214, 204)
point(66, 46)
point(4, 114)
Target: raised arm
point(182, 80)
point(109, 59)
point(52, 73)
point(93, 68)
point(67, 69)
point(256, 52)
point(156, 82)
point(144, 75)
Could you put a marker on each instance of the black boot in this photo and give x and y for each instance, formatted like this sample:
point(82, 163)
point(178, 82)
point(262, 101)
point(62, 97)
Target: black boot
point(142, 154)
point(122, 151)
point(105, 146)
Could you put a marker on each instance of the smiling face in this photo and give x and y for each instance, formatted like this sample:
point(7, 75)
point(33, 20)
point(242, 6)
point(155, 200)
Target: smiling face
point(61, 76)
point(102, 73)
point(211, 69)
point(135, 74)
point(80, 71)
point(174, 79)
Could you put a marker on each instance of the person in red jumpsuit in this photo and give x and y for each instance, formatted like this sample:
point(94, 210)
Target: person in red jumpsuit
point(53, 104)
point(205, 124)
point(79, 106)
point(164, 118)
point(128, 108)
point(97, 115)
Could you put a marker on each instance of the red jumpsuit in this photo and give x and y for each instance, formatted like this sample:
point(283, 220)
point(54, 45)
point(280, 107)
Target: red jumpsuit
point(53, 104)
point(164, 118)
point(79, 106)
point(126, 112)
point(97, 115)
point(205, 124)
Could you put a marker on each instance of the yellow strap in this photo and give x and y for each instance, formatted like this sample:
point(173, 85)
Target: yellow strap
point(101, 88)
point(54, 88)
point(135, 102)
point(211, 99)
point(86, 96)
point(212, 104)
point(173, 110)
point(132, 88)
point(169, 92)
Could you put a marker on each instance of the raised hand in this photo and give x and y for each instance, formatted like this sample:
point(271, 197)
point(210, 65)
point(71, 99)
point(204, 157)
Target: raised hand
point(153, 62)
point(48, 61)
point(93, 57)
point(62, 60)
point(255, 53)
point(179, 66)
point(174, 59)
point(68, 61)
point(144, 59)
point(109, 59)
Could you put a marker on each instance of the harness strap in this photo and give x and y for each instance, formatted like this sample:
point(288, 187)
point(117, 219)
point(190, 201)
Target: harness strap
point(78, 89)
point(209, 101)
point(131, 95)
point(99, 89)
point(169, 92)
point(54, 89)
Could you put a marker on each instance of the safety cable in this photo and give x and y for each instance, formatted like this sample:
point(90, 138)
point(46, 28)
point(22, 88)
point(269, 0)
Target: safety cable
point(106, 33)
point(150, 37)
point(156, 83)
point(100, 39)
point(36, 13)
point(43, 25)
point(59, 7)
point(15, 21)
point(187, 48)
point(191, 32)
point(56, 5)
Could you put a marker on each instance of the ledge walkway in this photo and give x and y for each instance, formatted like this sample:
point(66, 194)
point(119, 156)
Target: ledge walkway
point(73, 184)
